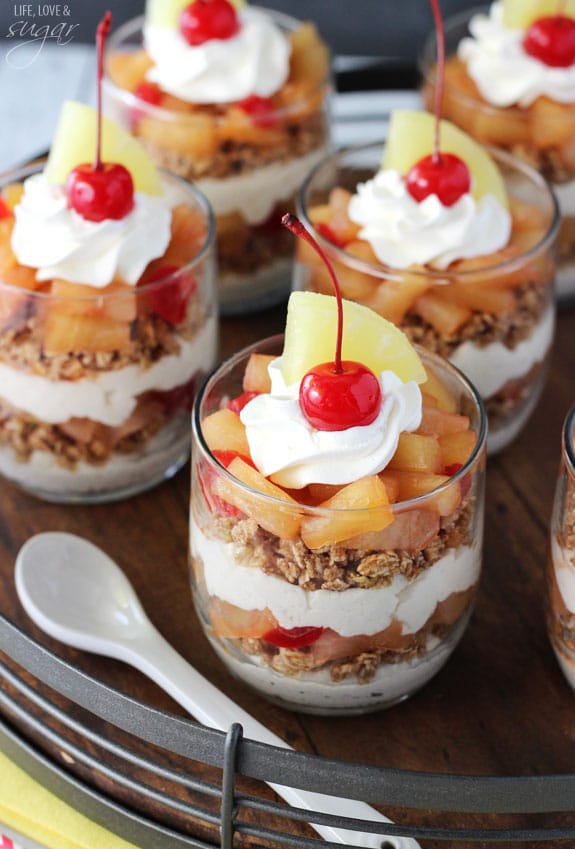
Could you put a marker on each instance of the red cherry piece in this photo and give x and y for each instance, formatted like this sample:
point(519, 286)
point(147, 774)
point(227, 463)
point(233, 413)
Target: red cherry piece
point(204, 20)
point(293, 638)
point(100, 193)
point(170, 299)
point(551, 40)
point(225, 457)
point(236, 405)
point(336, 400)
point(260, 109)
point(452, 469)
point(5, 211)
point(149, 93)
point(445, 175)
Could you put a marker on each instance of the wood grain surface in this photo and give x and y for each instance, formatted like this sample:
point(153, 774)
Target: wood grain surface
point(499, 707)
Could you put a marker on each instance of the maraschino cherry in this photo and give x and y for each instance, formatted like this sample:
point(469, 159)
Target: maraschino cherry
point(551, 39)
point(204, 20)
point(100, 190)
point(341, 394)
point(441, 174)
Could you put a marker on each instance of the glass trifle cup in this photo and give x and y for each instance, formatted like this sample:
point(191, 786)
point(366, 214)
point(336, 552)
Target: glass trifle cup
point(334, 610)
point(97, 384)
point(492, 316)
point(540, 133)
point(561, 562)
point(248, 155)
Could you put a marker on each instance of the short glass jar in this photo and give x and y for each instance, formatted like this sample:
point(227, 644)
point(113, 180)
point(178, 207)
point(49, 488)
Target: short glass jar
point(342, 627)
point(561, 563)
point(249, 164)
point(492, 316)
point(541, 134)
point(96, 385)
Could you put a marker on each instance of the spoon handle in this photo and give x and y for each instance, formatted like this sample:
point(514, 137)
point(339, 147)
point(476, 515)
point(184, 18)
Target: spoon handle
point(156, 658)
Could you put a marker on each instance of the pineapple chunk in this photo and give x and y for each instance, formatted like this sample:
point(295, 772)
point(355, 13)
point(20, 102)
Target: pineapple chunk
point(84, 333)
point(116, 300)
point(75, 142)
point(417, 452)
point(444, 316)
point(435, 388)
point(227, 620)
point(256, 375)
point(367, 338)
point(520, 14)
point(364, 506)
point(415, 484)
point(283, 520)
point(410, 138)
point(434, 421)
point(411, 530)
point(223, 431)
point(456, 448)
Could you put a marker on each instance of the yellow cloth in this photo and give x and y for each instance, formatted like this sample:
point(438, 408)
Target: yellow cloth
point(32, 810)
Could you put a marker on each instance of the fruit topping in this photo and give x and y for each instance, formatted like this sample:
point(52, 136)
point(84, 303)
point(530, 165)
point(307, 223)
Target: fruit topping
point(170, 298)
point(100, 191)
point(293, 638)
point(260, 110)
point(204, 20)
point(445, 175)
point(340, 394)
point(551, 40)
point(5, 211)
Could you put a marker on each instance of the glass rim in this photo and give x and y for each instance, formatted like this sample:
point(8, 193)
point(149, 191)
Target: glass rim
point(568, 441)
point(135, 25)
point(387, 272)
point(426, 64)
point(24, 171)
point(397, 507)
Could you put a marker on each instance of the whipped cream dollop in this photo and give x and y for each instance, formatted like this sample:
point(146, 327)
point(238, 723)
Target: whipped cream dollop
point(404, 232)
point(60, 243)
point(254, 61)
point(503, 72)
point(283, 444)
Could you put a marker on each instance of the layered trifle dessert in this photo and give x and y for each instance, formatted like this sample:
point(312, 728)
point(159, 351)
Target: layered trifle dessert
point(233, 98)
point(466, 269)
point(561, 566)
point(336, 515)
point(107, 316)
point(510, 82)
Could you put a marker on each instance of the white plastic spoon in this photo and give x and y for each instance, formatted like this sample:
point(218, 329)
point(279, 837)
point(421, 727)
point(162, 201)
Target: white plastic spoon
point(78, 595)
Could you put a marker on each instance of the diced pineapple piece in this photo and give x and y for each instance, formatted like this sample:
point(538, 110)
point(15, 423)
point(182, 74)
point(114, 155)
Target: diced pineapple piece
point(319, 492)
point(12, 194)
point(344, 229)
point(188, 135)
point(434, 421)
point(415, 484)
point(355, 284)
point(309, 61)
point(435, 387)
point(283, 520)
point(456, 447)
point(478, 299)
point(367, 338)
point(417, 453)
point(229, 621)
point(116, 301)
point(411, 137)
point(188, 234)
point(364, 506)
point(256, 375)
point(445, 317)
point(552, 124)
point(84, 333)
point(501, 128)
point(224, 431)
point(75, 142)
point(128, 70)
point(392, 299)
point(520, 14)
point(411, 530)
point(391, 485)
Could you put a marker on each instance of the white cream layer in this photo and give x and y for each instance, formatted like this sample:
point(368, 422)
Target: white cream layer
point(351, 612)
point(564, 573)
point(111, 397)
point(255, 193)
point(490, 367)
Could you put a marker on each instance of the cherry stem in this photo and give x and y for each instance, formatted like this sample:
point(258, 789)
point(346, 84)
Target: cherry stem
point(102, 33)
point(440, 81)
point(295, 226)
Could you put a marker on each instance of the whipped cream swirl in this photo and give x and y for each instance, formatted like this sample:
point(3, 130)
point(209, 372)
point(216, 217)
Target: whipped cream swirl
point(503, 72)
point(254, 61)
point(60, 243)
point(284, 445)
point(404, 232)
